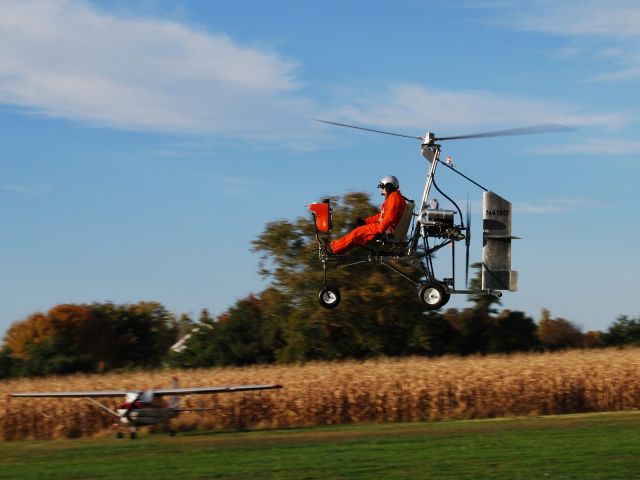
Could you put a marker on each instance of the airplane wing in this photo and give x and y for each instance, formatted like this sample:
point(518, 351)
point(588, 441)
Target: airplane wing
point(158, 392)
point(87, 393)
point(223, 389)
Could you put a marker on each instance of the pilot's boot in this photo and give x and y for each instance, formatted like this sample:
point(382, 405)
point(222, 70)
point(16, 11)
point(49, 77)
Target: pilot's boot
point(325, 246)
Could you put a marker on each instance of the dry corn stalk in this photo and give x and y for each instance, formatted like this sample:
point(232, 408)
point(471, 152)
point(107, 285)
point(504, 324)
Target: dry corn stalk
point(389, 390)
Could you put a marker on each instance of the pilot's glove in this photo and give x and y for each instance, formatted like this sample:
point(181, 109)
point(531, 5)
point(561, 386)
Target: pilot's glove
point(359, 221)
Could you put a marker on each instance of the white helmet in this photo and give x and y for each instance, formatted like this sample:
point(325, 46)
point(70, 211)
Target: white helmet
point(389, 179)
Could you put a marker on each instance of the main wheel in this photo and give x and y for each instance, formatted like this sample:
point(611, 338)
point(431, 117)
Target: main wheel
point(329, 297)
point(433, 295)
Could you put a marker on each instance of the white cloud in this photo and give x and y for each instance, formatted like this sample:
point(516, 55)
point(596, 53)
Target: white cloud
point(403, 105)
point(597, 146)
point(615, 18)
point(550, 206)
point(26, 189)
point(235, 186)
point(598, 30)
point(65, 59)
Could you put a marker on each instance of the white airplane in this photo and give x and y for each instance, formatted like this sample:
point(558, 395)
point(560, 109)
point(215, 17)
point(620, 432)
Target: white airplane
point(146, 407)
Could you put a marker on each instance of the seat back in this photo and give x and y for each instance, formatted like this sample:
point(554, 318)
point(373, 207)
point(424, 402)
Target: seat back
point(400, 233)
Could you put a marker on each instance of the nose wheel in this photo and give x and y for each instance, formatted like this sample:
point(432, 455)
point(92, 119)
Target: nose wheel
point(329, 297)
point(433, 295)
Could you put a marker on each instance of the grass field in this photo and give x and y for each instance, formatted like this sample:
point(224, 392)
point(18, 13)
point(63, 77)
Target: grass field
point(585, 446)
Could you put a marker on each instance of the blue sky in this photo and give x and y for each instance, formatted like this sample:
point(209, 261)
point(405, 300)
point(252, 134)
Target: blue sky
point(144, 144)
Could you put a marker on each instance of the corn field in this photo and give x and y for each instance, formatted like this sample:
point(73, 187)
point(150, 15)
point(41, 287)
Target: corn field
point(389, 390)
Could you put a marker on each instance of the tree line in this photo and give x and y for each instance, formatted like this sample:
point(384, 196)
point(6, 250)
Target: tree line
point(380, 315)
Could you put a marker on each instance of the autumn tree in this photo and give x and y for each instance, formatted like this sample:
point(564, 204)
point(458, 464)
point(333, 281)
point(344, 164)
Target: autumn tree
point(22, 336)
point(558, 333)
point(85, 338)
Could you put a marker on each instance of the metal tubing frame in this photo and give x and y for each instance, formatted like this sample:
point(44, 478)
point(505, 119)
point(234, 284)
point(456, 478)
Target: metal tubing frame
point(431, 174)
point(401, 273)
point(427, 262)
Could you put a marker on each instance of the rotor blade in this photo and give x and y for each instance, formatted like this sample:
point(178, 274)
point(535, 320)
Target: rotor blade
point(533, 129)
point(367, 129)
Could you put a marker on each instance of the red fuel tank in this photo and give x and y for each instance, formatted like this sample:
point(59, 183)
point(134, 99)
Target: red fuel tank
point(322, 214)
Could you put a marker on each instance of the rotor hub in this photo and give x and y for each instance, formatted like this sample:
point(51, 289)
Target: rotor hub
point(429, 139)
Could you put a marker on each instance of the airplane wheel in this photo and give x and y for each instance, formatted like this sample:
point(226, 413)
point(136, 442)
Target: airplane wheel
point(119, 435)
point(329, 297)
point(433, 295)
point(133, 435)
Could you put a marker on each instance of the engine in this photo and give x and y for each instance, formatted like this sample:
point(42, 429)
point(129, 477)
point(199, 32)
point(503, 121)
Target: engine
point(439, 223)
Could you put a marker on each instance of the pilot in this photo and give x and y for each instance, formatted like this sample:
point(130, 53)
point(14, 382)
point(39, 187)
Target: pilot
point(376, 225)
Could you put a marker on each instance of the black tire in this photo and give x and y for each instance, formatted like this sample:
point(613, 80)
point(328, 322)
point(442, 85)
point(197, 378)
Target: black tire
point(329, 297)
point(433, 295)
point(133, 435)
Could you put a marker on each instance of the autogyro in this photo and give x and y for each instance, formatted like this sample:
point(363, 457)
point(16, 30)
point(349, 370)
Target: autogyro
point(424, 230)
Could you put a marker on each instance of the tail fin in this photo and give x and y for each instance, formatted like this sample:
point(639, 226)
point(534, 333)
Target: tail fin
point(496, 249)
point(174, 400)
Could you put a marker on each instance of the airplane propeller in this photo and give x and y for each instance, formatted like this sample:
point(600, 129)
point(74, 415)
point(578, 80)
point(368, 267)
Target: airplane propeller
point(131, 406)
point(467, 241)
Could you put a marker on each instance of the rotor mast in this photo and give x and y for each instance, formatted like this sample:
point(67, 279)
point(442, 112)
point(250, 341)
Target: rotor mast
point(430, 151)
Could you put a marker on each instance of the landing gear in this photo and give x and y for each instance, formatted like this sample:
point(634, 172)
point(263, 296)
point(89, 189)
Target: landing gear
point(329, 297)
point(433, 295)
point(133, 434)
point(119, 435)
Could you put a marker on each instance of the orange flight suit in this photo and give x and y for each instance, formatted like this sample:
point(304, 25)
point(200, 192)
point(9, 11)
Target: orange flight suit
point(380, 223)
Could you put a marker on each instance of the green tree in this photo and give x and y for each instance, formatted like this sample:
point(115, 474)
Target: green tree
point(379, 310)
point(623, 331)
point(199, 345)
point(143, 333)
point(241, 335)
point(481, 301)
point(8, 364)
point(513, 332)
point(474, 329)
point(435, 335)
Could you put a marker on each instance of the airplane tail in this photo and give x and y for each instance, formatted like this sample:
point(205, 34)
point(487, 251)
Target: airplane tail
point(174, 400)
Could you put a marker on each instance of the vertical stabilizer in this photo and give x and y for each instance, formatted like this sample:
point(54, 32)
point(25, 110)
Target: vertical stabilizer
point(496, 244)
point(174, 400)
